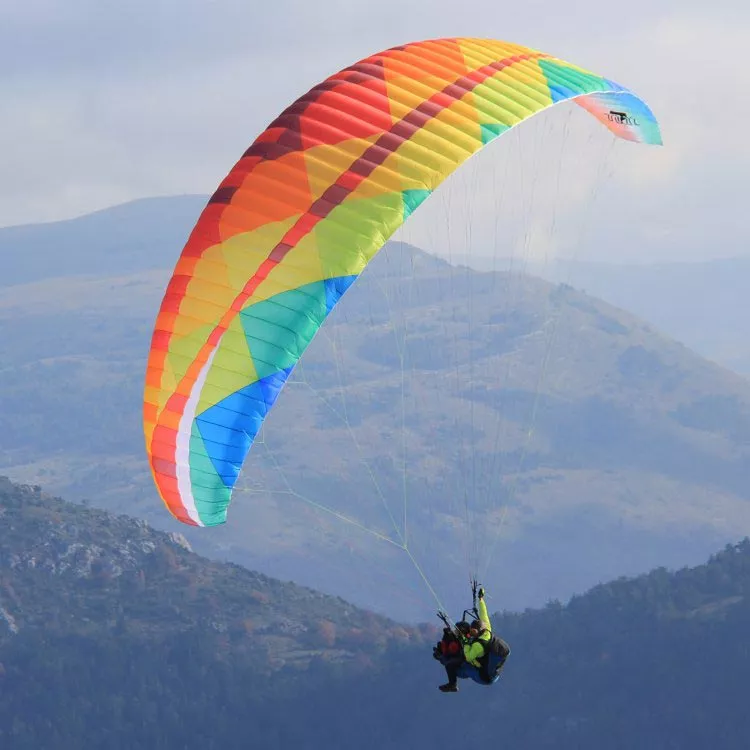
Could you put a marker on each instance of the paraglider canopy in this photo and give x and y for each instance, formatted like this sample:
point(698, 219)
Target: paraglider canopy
point(301, 214)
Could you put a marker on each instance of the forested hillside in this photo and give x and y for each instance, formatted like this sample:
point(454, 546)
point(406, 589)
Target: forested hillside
point(116, 636)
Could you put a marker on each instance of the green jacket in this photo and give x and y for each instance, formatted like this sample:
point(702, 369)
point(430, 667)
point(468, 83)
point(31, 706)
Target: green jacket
point(474, 648)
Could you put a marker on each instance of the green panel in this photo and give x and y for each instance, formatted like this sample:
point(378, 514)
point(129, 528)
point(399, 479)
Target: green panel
point(279, 328)
point(412, 200)
point(210, 493)
point(577, 81)
point(492, 131)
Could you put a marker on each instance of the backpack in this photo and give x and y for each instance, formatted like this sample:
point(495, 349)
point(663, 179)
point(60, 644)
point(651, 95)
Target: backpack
point(496, 651)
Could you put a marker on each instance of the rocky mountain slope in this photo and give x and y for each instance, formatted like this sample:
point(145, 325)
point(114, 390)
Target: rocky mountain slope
point(114, 635)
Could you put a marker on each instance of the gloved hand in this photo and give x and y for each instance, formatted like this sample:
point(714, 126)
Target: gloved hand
point(480, 594)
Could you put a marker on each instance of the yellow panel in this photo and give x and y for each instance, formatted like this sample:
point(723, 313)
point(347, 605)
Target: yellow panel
point(326, 163)
point(301, 265)
point(236, 365)
point(244, 253)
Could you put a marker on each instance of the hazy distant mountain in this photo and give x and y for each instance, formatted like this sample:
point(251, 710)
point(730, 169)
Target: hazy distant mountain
point(705, 305)
point(130, 238)
point(630, 452)
point(115, 636)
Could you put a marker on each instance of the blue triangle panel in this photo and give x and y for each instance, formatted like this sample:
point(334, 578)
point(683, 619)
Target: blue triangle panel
point(229, 427)
point(335, 288)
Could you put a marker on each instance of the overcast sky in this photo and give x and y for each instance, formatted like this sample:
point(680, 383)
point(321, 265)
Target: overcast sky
point(103, 102)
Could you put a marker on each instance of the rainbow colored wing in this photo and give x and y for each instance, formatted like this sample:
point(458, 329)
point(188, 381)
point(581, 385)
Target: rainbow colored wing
point(302, 213)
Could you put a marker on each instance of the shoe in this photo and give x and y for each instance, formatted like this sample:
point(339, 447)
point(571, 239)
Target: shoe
point(448, 688)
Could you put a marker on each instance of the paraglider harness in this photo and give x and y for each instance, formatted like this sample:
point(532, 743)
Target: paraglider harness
point(496, 650)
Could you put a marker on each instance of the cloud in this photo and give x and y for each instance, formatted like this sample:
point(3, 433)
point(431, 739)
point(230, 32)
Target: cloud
point(106, 102)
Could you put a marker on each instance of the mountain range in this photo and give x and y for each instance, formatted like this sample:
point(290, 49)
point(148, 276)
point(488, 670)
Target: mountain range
point(488, 418)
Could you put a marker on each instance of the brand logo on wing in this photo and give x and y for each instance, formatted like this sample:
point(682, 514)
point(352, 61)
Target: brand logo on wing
point(622, 118)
